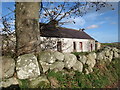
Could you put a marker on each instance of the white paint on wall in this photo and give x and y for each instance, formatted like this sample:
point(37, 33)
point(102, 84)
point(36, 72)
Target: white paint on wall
point(67, 44)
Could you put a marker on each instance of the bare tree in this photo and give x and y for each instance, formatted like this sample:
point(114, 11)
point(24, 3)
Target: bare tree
point(8, 36)
point(53, 11)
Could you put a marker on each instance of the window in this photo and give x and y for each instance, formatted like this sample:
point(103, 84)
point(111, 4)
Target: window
point(59, 46)
point(81, 47)
point(74, 46)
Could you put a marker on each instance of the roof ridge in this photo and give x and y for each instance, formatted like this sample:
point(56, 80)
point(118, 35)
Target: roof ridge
point(62, 27)
point(68, 28)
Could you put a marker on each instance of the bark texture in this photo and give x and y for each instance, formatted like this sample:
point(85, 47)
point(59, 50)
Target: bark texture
point(27, 27)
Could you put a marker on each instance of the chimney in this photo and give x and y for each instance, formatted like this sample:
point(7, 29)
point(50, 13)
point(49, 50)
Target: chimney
point(81, 29)
point(53, 24)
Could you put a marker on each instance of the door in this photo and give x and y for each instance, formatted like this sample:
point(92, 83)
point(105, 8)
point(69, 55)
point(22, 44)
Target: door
point(74, 47)
point(59, 46)
point(91, 47)
point(81, 46)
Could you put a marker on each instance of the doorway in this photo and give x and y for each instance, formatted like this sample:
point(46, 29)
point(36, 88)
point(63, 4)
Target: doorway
point(91, 47)
point(74, 47)
point(59, 46)
point(81, 46)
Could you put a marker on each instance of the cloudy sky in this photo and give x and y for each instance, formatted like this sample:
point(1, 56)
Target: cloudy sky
point(101, 25)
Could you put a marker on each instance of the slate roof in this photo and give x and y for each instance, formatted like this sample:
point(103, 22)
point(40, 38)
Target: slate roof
point(61, 32)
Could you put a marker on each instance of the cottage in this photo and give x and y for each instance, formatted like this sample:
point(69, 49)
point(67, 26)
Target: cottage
point(66, 40)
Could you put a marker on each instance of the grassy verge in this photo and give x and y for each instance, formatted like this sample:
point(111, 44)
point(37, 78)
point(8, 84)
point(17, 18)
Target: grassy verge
point(23, 84)
point(117, 45)
point(84, 53)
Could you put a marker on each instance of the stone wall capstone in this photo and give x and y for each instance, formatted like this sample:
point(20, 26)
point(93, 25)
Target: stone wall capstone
point(70, 60)
point(27, 66)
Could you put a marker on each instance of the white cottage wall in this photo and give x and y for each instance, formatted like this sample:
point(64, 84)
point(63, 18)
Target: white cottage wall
point(67, 44)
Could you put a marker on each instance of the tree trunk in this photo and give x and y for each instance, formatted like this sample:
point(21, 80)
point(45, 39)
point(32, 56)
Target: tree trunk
point(27, 27)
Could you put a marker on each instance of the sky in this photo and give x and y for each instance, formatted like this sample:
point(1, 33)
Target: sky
point(101, 25)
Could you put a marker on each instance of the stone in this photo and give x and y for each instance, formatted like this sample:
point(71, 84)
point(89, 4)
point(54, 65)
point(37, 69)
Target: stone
point(110, 58)
point(78, 66)
point(45, 66)
point(90, 69)
point(107, 48)
point(27, 66)
point(70, 60)
point(91, 62)
point(99, 56)
point(59, 56)
point(119, 54)
point(106, 60)
point(111, 53)
point(8, 82)
point(115, 49)
point(118, 51)
point(86, 71)
point(91, 56)
point(115, 52)
point(91, 59)
point(94, 55)
point(115, 55)
point(39, 82)
point(107, 52)
point(47, 56)
point(57, 65)
point(7, 67)
point(82, 59)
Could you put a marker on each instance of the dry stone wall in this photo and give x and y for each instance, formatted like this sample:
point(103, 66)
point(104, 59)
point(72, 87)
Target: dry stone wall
point(29, 66)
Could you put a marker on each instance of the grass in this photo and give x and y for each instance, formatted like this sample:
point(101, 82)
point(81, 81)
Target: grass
point(117, 45)
point(59, 76)
point(84, 53)
point(24, 84)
